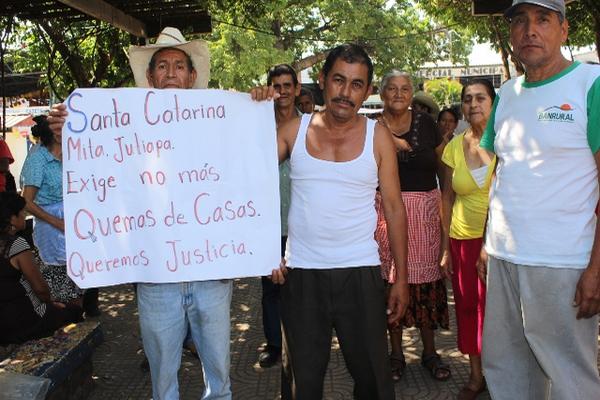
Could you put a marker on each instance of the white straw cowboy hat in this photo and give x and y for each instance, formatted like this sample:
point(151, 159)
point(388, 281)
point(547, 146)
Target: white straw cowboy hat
point(428, 101)
point(139, 56)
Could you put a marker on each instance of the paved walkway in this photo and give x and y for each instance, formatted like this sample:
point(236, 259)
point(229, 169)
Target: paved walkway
point(118, 375)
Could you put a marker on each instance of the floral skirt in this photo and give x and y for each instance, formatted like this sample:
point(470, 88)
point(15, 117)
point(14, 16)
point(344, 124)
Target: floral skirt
point(428, 306)
point(62, 288)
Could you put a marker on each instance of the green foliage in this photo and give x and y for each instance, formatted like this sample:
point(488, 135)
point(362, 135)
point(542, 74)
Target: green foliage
point(81, 54)
point(248, 37)
point(584, 23)
point(583, 16)
point(445, 91)
point(246, 42)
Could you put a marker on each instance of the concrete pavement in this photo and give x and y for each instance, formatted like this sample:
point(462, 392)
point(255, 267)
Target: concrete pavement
point(118, 375)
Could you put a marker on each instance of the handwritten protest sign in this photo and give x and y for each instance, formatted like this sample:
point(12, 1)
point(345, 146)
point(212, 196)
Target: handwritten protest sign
point(169, 186)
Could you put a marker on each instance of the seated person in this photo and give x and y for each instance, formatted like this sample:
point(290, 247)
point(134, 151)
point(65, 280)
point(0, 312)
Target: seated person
point(26, 308)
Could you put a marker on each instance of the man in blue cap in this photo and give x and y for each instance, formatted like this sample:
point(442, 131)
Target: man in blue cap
point(540, 336)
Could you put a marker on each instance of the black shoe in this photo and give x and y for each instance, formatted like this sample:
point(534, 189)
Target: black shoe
point(269, 356)
point(92, 312)
point(90, 303)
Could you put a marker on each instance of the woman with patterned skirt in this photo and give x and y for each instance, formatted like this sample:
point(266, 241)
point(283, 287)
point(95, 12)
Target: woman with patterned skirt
point(27, 310)
point(419, 146)
point(42, 189)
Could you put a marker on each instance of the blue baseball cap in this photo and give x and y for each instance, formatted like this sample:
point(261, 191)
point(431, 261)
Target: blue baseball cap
point(554, 5)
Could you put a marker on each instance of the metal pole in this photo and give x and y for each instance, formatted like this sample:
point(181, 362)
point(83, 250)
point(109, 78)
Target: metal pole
point(3, 41)
point(2, 86)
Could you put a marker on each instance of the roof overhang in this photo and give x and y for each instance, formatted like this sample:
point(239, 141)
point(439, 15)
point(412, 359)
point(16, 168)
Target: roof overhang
point(141, 18)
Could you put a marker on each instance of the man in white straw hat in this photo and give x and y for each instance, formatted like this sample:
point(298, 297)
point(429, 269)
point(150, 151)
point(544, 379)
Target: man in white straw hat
point(168, 310)
point(540, 338)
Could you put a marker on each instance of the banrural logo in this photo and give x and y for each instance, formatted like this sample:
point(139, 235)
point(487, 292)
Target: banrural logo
point(557, 114)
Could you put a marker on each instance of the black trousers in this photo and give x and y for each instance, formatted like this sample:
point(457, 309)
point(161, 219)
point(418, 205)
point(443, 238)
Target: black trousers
point(349, 300)
point(271, 298)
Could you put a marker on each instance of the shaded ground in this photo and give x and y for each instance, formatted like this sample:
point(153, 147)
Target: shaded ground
point(117, 361)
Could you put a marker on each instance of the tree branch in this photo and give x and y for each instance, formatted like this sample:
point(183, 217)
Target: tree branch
point(73, 63)
point(310, 60)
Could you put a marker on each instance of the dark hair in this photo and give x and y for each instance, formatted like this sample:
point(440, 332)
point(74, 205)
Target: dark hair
point(11, 204)
point(152, 63)
point(451, 111)
point(350, 53)
point(281, 69)
point(41, 130)
point(489, 87)
point(307, 92)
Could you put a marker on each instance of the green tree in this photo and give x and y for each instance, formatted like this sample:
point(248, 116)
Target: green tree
point(584, 23)
point(78, 54)
point(246, 42)
point(248, 37)
point(444, 91)
point(492, 29)
point(583, 15)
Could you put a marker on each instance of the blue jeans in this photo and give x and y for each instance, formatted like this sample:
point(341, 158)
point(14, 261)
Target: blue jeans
point(166, 310)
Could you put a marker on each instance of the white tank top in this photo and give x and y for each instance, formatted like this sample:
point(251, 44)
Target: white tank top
point(332, 217)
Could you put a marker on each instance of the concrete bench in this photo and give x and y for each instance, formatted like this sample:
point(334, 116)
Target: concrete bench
point(64, 360)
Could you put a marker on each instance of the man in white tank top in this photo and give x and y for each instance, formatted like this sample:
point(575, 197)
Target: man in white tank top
point(332, 277)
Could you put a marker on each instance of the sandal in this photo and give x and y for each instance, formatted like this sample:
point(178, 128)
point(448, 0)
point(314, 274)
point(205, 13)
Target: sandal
point(436, 367)
point(398, 365)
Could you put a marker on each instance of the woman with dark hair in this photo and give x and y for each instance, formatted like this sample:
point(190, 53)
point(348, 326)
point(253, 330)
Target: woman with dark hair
point(419, 146)
point(42, 189)
point(27, 310)
point(467, 179)
point(447, 122)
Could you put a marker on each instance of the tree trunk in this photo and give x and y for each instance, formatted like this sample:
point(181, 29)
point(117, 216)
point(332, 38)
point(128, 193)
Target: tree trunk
point(310, 61)
point(594, 7)
point(72, 61)
point(502, 45)
point(597, 32)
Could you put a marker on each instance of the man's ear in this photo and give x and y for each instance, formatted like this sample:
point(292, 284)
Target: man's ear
point(321, 80)
point(298, 89)
point(369, 92)
point(149, 77)
point(193, 76)
point(564, 31)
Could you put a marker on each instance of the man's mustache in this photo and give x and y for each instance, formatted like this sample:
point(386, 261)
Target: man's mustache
point(343, 100)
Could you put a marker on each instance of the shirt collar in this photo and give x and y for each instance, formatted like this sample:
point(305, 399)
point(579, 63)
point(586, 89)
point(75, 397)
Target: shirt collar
point(48, 157)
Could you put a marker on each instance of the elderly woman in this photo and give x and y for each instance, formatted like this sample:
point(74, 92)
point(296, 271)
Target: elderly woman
point(419, 146)
point(465, 203)
point(27, 310)
point(42, 180)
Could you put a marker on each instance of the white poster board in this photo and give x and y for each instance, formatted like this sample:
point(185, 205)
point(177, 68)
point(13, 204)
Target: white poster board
point(169, 186)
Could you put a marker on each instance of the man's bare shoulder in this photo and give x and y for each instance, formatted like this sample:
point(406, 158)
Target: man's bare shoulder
point(383, 136)
point(289, 129)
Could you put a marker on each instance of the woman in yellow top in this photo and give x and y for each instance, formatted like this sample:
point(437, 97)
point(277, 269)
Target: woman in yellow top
point(464, 209)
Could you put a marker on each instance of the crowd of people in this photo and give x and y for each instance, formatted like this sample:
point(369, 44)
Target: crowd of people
point(378, 217)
